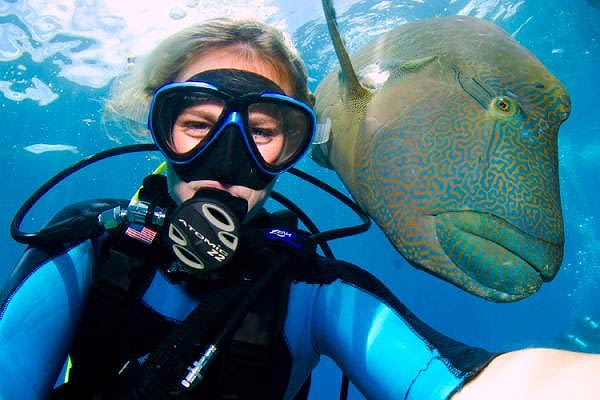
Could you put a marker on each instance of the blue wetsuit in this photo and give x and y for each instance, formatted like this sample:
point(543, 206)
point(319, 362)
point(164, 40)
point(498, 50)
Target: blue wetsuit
point(385, 351)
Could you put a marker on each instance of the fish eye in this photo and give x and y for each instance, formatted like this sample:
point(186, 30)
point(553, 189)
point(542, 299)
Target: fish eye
point(503, 107)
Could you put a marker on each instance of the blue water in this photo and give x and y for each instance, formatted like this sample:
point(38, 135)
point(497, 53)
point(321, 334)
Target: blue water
point(56, 66)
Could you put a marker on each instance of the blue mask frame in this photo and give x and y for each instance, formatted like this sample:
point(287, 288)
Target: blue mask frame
point(166, 104)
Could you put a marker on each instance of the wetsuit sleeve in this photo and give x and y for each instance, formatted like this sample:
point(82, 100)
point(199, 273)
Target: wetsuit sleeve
point(383, 348)
point(39, 313)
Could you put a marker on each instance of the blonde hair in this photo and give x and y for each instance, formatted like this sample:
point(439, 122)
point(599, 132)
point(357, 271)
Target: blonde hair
point(131, 93)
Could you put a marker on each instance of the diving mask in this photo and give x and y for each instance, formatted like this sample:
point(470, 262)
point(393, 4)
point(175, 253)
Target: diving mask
point(232, 126)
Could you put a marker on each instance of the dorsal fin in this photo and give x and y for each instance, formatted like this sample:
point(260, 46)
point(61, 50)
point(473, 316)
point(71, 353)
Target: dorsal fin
point(353, 89)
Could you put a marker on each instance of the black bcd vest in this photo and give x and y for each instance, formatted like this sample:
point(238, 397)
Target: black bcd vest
point(119, 334)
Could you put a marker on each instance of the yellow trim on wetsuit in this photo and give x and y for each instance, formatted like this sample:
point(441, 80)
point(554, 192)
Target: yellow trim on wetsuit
point(159, 170)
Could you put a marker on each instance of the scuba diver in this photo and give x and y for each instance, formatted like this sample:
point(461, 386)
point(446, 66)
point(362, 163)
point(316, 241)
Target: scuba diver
point(193, 290)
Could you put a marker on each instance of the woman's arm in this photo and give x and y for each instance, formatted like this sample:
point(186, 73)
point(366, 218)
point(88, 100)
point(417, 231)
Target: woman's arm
point(536, 374)
point(388, 353)
point(384, 349)
point(38, 318)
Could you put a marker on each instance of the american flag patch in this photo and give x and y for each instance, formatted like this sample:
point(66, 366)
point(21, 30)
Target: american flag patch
point(141, 233)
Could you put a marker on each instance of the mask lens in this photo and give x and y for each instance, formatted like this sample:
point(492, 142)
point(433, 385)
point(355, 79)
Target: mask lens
point(280, 131)
point(184, 120)
point(193, 126)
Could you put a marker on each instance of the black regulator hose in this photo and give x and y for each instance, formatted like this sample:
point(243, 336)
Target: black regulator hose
point(73, 228)
point(340, 232)
point(85, 226)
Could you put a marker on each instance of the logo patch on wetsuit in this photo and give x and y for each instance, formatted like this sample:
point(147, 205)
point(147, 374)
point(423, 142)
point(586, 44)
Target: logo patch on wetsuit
point(291, 238)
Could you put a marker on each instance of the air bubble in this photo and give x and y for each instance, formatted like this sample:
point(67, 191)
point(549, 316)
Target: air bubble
point(177, 13)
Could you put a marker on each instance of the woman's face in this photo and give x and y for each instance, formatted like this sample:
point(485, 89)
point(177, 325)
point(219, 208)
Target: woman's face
point(225, 58)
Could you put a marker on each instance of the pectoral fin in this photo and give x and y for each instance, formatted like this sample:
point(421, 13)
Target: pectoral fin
point(399, 70)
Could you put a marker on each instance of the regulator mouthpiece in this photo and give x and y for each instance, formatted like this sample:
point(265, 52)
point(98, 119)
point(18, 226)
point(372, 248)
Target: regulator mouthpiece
point(204, 232)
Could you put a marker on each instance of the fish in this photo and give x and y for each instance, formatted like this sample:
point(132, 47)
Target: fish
point(444, 130)
point(40, 148)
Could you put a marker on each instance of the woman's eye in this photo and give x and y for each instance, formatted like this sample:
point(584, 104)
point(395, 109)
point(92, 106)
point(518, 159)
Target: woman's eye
point(197, 128)
point(196, 121)
point(262, 135)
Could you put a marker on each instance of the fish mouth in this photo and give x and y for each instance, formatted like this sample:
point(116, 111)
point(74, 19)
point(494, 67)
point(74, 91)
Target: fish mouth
point(495, 253)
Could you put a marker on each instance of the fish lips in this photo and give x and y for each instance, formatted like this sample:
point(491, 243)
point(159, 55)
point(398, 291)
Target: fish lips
point(497, 254)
